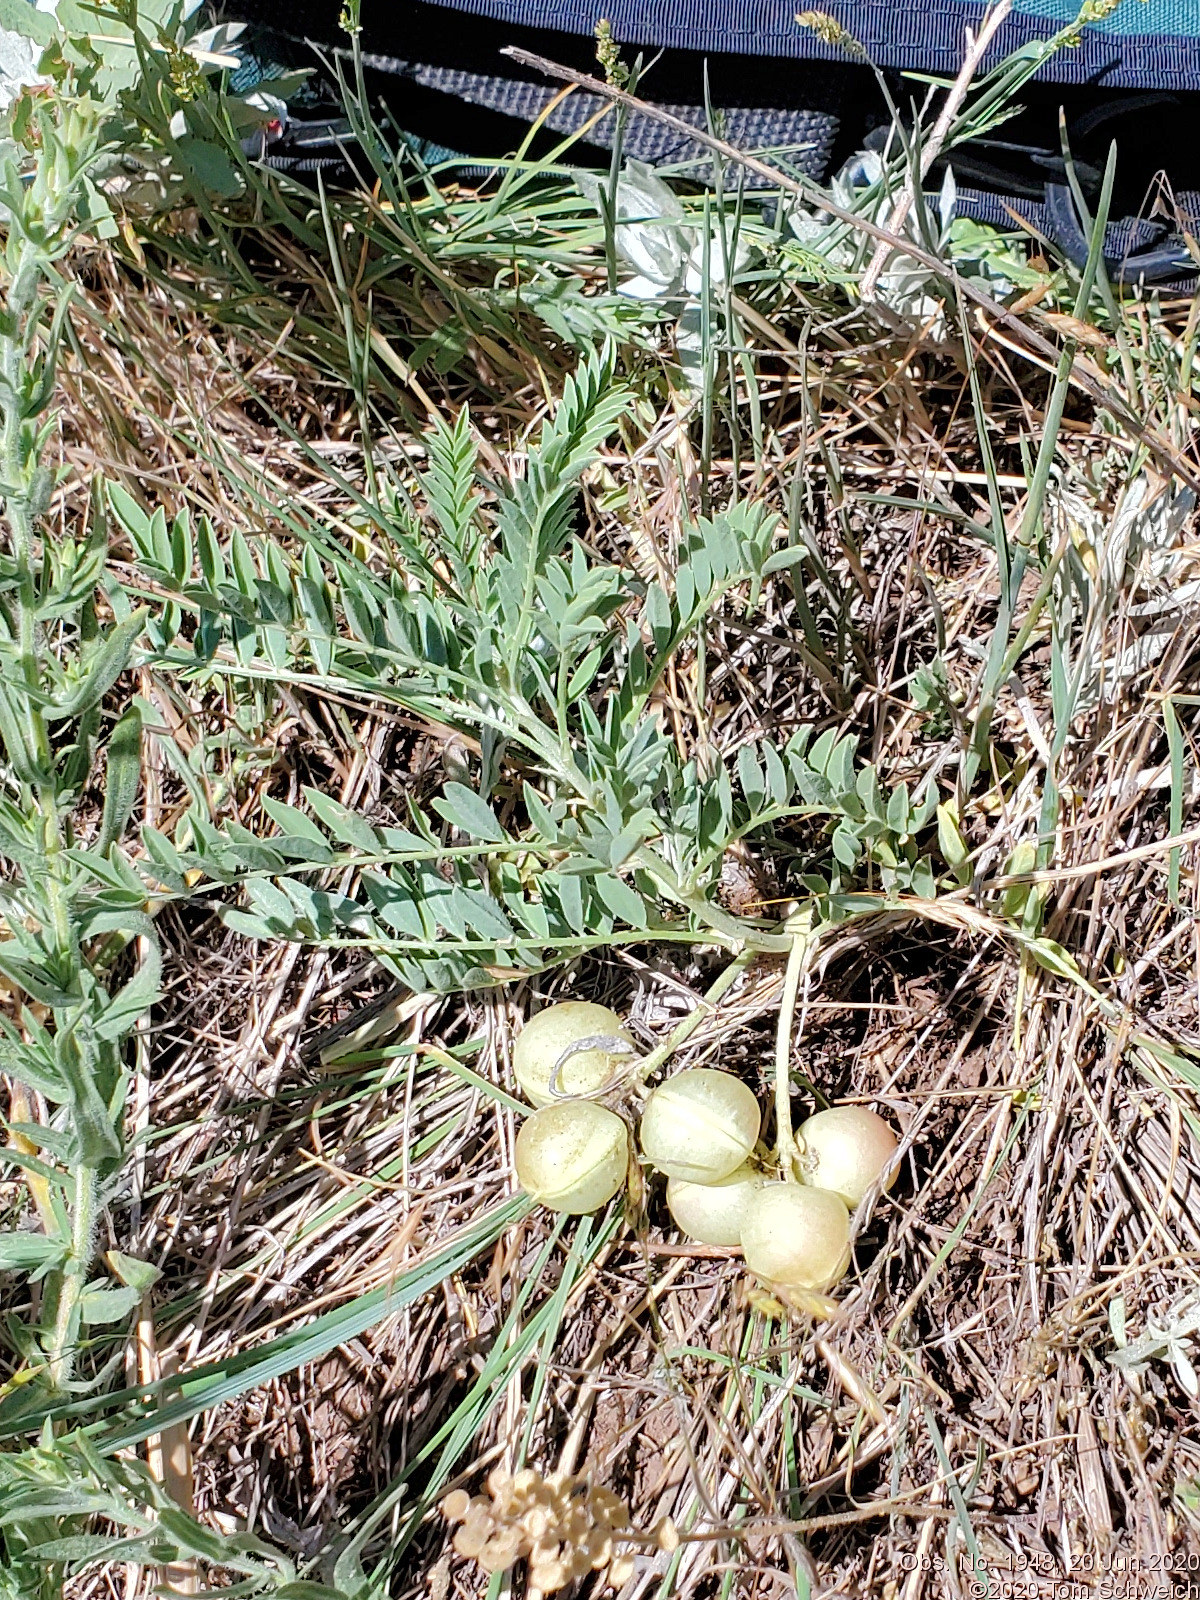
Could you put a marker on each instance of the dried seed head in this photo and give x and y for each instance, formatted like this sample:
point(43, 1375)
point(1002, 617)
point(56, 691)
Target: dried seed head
point(537, 1522)
point(470, 1539)
point(620, 1572)
point(578, 1525)
point(563, 1525)
point(598, 1546)
point(456, 1505)
point(666, 1535)
point(609, 1508)
point(501, 1550)
point(548, 1576)
point(580, 1565)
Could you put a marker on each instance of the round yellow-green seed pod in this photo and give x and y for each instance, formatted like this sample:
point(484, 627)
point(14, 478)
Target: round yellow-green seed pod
point(572, 1155)
point(700, 1125)
point(543, 1039)
point(712, 1212)
point(845, 1149)
point(796, 1236)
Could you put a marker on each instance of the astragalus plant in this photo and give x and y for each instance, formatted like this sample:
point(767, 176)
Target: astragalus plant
point(585, 825)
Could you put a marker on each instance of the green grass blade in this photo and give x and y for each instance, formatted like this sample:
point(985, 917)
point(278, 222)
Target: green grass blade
point(220, 1381)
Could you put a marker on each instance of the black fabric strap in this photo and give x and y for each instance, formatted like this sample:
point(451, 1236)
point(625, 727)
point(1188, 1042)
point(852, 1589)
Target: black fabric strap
point(806, 136)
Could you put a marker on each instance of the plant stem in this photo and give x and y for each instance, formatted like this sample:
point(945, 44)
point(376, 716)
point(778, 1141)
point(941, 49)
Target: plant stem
point(73, 1277)
point(39, 232)
point(695, 1017)
point(803, 938)
point(20, 297)
point(19, 467)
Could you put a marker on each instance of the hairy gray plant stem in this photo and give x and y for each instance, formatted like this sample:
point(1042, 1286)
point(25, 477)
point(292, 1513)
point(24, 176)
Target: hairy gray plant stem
point(20, 476)
point(19, 300)
point(73, 1276)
